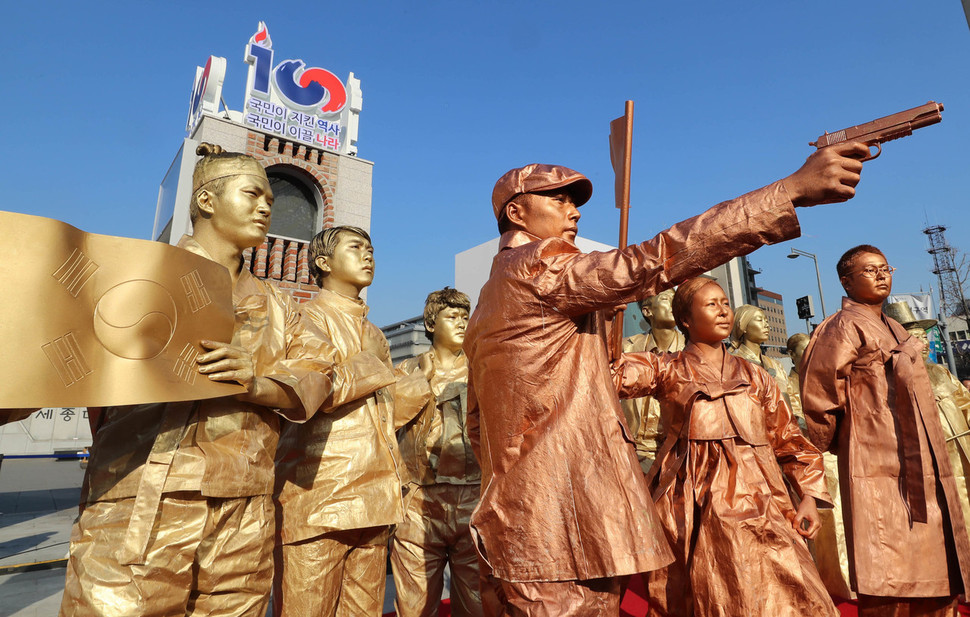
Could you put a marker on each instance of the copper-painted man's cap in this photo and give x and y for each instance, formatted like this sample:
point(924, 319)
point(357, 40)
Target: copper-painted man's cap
point(536, 177)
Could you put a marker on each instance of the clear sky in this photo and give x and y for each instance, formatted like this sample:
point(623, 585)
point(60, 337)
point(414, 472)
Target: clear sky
point(728, 95)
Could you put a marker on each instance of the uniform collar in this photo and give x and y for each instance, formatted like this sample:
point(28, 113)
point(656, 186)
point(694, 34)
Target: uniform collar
point(354, 306)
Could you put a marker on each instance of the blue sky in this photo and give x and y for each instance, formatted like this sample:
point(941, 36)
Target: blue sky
point(728, 95)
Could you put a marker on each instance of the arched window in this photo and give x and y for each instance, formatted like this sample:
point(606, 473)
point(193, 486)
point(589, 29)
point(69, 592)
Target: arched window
point(294, 207)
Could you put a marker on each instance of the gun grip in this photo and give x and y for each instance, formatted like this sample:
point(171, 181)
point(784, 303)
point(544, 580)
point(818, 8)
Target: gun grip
point(871, 155)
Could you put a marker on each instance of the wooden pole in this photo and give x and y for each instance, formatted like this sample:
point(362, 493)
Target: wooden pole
point(621, 154)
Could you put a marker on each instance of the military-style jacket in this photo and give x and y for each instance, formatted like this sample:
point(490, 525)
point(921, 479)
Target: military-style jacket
point(435, 445)
point(563, 495)
point(222, 447)
point(341, 469)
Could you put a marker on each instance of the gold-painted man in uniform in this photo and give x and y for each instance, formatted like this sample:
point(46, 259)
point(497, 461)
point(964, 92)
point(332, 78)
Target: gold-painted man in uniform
point(564, 512)
point(177, 514)
point(339, 476)
point(866, 396)
point(643, 414)
point(444, 479)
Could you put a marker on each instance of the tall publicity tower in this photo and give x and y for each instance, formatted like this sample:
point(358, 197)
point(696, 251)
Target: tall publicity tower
point(952, 300)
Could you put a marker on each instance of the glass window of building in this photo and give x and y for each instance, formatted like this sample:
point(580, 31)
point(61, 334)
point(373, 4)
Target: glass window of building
point(294, 207)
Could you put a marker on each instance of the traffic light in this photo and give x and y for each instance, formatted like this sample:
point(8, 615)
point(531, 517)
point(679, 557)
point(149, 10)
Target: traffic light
point(805, 308)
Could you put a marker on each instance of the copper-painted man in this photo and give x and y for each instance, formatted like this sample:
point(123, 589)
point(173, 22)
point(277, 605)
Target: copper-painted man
point(866, 396)
point(564, 510)
point(177, 513)
point(339, 476)
point(444, 480)
point(643, 414)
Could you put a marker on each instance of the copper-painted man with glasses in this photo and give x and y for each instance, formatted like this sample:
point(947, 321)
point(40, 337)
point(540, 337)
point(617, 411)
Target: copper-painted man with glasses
point(867, 397)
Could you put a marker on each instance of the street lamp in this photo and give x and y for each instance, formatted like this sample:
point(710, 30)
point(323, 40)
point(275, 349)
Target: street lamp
point(795, 254)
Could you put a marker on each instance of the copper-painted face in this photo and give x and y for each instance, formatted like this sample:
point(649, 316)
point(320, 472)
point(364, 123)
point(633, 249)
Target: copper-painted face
point(711, 317)
point(549, 214)
point(758, 328)
point(242, 210)
point(449, 328)
point(351, 267)
point(861, 287)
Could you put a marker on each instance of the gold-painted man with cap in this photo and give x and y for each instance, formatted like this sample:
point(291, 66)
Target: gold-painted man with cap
point(643, 414)
point(339, 475)
point(444, 479)
point(867, 397)
point(952, 400)
point(564, 512)
point(177, 513)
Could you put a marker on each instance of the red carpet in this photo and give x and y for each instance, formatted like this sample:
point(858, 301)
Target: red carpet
point(634, 604)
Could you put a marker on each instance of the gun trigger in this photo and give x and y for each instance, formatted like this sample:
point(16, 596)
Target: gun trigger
point(871, 155)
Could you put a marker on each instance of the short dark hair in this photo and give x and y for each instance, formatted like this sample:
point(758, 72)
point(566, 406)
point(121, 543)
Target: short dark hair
point(324, 244)
point(846, 262)
point(438, 301)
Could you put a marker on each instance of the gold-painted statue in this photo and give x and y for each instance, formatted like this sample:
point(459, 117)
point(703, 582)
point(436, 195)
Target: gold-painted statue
point(952, 399)
point(643, 414)
point(177, 514)
point(444, 479)
point(339, 475)
point(831, 554)
point(751, 329)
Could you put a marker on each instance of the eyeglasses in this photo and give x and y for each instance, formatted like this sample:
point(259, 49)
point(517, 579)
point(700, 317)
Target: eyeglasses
point(870, 272)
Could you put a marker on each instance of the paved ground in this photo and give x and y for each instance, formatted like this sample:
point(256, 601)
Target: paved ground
point(38, 504)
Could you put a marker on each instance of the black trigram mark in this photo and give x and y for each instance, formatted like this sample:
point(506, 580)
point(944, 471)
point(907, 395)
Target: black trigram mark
point(75, 272)
point(65, 354)
point(195, 291)
point(185, 366)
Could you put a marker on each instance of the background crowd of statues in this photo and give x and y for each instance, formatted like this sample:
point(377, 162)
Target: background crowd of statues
point(504, 454)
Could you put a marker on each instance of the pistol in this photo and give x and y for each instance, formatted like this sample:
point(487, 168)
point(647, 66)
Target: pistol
point(884, 129)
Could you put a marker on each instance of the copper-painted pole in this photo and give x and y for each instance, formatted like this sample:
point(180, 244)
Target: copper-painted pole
point(621, 154)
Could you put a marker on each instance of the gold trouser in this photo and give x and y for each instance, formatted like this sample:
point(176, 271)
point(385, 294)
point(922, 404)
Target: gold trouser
point(594, 598)
point(876, 606)
point(434, 533)
point(206, 556)
point(337, 574)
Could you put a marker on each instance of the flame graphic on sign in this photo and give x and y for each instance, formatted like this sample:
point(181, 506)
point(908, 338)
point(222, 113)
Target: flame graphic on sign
point(262, 37)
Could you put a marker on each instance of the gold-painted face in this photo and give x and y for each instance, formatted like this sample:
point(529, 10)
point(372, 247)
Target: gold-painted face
point(241, 211)
point(920, 335)
point(657, 310)
point(798, 352)
point(758, 328)
point(449, 328)
point(351, 267)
